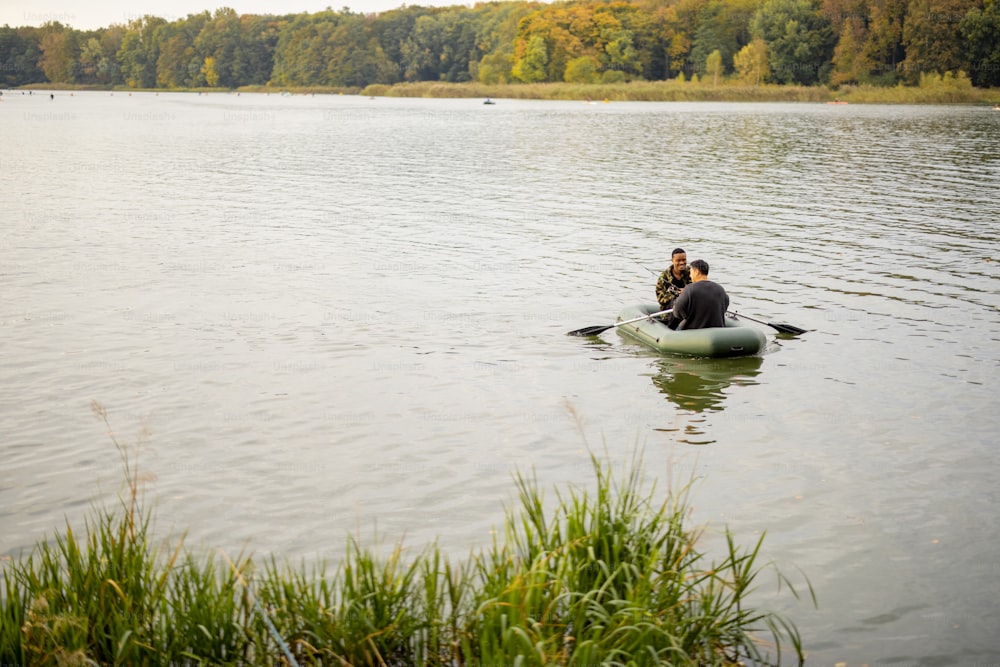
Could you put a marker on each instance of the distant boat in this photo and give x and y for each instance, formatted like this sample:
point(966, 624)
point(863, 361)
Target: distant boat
point(488, 101)
point(836, 102)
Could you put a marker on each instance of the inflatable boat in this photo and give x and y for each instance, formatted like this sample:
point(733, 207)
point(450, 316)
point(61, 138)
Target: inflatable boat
point(732, 340)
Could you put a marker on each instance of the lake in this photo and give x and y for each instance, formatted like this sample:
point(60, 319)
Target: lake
point(322, 315)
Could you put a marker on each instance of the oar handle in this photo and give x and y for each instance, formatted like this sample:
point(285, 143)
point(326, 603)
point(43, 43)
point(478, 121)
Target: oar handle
point(644, 317)
point(593, 331)
point(746, 317)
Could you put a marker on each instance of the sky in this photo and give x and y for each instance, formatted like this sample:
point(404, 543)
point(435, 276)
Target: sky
point(93, 14)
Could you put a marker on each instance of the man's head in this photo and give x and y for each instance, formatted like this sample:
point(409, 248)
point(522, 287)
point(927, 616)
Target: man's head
point(699, 269)
point(678, 260)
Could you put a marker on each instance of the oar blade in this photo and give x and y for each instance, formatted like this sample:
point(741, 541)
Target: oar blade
point(590, 331)
point(787, 329)
point(593, 331)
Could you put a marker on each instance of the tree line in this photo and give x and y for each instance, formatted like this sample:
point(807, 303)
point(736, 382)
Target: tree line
point(806, 42)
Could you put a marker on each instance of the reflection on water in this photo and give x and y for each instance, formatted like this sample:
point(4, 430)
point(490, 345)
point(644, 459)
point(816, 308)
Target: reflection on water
point(701, 385)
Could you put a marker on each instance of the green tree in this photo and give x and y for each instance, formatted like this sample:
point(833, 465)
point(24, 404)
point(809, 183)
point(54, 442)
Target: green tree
point(610, 33)
point(495, 68)
point(178, 61)
point(556, 34)
point(442, 46)
point(355, 56)
point(97, 63)
point(650, 40)
point(840, 11)
point(613, 76)
point(849, 62)
point(303, 49)
point(139, 52)
point(581, 70)
point(175, 54)
point(681, 22)
point(932, 37)
point(883, 47)
point(108, 69)
point(422, 49)
point(221, 38)
point(259, 37)
point(20, 52)
point(90, 58)
point(496, 34)
point(621, 52)
point(980, 29)
point(799, 40)
point(723, 26)
point(751, 63)
point(461, 55)
point(532, 65)
point(60, 53)
point(392, 29)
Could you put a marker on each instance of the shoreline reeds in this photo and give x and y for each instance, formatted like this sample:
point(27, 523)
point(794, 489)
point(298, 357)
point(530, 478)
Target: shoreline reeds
point(933, 89)
point(605, 576)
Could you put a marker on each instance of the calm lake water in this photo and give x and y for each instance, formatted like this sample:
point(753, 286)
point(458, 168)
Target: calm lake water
point(325, 315)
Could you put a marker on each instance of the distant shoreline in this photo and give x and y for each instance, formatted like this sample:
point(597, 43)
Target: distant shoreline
point(638, 91)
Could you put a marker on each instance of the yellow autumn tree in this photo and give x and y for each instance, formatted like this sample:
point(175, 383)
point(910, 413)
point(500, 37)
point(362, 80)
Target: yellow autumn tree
point(208, 71)
point(751, 64)
point(713, 66)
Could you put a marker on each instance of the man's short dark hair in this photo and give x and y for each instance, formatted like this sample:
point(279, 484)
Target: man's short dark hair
point(678, 251)
point(701, 265)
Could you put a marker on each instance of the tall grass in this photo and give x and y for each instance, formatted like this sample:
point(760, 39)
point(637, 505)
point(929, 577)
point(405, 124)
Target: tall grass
point(933, 89)
point(611, 577)
point(601, 576)
point(301, 90)
point(640, 91)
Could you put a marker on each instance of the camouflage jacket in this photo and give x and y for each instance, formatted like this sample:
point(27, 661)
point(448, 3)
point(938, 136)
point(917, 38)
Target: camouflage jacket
point(668, 287)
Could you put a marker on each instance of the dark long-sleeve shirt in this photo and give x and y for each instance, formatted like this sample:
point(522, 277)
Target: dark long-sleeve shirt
point(701, 305)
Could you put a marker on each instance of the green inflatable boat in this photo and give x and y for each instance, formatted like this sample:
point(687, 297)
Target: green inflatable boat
point(732, 340)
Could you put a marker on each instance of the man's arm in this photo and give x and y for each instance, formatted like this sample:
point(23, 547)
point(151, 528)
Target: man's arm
point(665, 291)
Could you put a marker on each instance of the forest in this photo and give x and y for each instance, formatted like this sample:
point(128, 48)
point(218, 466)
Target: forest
point(750, 42)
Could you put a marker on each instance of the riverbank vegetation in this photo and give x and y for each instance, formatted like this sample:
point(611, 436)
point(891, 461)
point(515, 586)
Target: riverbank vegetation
point(932, 89)
point(750, 42)
point(640, 91)
point(607, 574)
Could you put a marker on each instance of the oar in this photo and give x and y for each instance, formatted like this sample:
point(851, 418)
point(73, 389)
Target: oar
point(780, 328)
point(593, 331)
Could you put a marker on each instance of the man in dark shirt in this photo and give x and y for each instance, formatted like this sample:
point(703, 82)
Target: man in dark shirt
point(702, 304)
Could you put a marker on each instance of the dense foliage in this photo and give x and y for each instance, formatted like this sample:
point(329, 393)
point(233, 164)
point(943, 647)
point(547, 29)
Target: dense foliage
point(881, 42)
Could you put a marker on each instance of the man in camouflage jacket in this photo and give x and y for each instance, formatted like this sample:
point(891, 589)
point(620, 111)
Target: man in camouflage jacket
point(673, 280)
